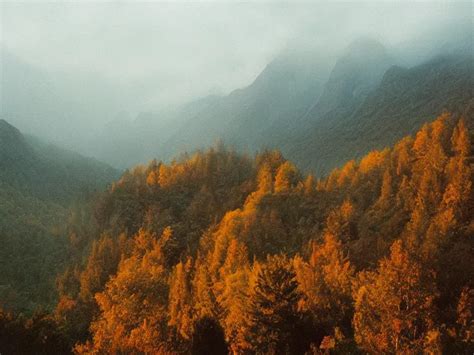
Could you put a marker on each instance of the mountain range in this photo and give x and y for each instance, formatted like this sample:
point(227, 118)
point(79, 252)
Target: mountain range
point(319, 111)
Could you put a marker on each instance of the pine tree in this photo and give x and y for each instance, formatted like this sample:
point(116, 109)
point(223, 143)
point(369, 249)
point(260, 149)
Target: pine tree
point(273, 308)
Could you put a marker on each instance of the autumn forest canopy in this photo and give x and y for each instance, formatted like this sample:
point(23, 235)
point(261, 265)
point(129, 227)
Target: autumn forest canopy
point(219, 251)
point(299, 181)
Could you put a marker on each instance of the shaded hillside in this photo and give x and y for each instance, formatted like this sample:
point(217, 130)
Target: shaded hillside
point(399, 105)
point(38, 183)
point(46, 171)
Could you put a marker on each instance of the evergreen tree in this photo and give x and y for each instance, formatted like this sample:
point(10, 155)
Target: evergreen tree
point(274, 307)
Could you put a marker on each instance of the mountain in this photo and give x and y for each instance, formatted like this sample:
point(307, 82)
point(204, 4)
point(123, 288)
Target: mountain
point(46, 171)
point(124, 142)
point(404, 99)
point(354, 75)
point(39, 182)
point(257, 115)
point(248, 118)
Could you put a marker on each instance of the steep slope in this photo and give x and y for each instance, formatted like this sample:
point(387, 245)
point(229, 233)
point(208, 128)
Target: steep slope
point(404, 99)
point(355, 74)
point(38, 183)
point(45, 170)
point(254, 116)
point(291, 93)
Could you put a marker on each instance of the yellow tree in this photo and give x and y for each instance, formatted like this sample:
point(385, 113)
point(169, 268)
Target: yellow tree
point(325, 282)
point(287, 177)
point(394, 306)
point(180, 302)
point(132, 307)
point(340, 222)
point(231, 290)
point(205, 304)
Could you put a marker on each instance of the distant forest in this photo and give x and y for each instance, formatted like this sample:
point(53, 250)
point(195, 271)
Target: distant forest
point(218, 252)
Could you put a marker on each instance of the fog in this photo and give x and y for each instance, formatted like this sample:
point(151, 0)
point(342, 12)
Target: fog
point(69, 68)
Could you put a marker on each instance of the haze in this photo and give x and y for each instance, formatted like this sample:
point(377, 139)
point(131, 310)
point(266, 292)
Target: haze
point(69, 68)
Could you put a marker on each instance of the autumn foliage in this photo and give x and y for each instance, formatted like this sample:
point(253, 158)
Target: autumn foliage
point(217, 253)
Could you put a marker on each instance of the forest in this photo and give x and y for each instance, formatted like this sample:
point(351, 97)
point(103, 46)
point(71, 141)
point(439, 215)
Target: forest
point(220, 252)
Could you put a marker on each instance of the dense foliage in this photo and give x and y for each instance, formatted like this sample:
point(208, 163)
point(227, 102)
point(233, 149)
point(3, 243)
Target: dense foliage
point(217, 252)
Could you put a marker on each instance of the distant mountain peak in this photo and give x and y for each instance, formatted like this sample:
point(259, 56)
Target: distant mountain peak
point(7, 131)
point(5, 125)
point(13, 146)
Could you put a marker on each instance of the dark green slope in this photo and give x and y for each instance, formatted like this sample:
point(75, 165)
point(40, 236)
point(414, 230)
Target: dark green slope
point(38, 183)
point(46, 171)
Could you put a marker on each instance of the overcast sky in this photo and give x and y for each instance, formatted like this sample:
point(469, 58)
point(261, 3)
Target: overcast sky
point(171, 52)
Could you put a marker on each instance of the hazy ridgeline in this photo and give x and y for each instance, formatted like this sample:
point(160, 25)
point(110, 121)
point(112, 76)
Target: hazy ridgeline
point(124, 84)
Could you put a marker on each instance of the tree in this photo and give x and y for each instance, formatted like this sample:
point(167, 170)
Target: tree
point(309, 185)
point(231, 290)
point(133, 305)
point(179, 304)
point(287, 177)
point(394, 306)
point(265, 179)
point(326, 282)
point(386, 189)
point(274, 307)
point(340, 222)
point(203, 295)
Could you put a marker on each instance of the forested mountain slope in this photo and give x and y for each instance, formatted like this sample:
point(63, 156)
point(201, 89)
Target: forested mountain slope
point(38, 183)
point(399, 105)
point(217, 251)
